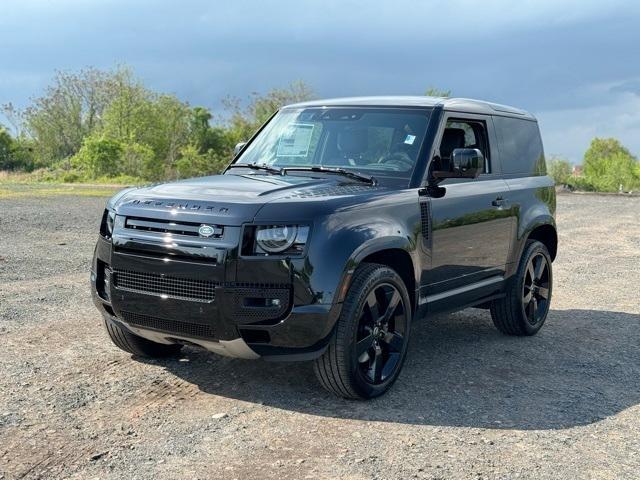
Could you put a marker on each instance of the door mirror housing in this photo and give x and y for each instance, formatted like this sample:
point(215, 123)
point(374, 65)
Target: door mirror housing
point(238, 148)
point(465, 163)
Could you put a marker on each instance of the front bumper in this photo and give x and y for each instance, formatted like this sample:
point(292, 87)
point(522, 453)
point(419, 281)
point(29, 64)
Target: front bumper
point(271, 313)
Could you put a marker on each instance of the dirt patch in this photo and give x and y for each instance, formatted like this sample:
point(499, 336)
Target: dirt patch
point(470, 403)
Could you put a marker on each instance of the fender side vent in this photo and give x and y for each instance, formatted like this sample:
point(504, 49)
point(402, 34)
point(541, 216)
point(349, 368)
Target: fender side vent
point(425, 214)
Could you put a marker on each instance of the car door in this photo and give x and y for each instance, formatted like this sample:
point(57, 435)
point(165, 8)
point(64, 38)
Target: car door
point(471, 224)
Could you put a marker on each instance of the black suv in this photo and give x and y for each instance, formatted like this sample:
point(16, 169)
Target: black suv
point(334, 227)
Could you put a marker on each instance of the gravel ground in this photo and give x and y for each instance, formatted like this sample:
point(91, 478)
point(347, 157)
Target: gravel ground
point(470, 403)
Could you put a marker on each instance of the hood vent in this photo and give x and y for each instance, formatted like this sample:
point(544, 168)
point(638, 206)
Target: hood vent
point(331, 191)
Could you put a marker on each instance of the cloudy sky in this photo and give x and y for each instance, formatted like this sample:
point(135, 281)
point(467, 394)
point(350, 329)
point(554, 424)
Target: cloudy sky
point(574, 64)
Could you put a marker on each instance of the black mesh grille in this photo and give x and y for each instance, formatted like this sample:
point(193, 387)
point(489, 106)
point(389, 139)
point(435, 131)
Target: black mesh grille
point(169, 326)
point(424, 217)
point(171, 287)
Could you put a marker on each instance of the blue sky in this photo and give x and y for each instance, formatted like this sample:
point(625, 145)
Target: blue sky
point(574, 64)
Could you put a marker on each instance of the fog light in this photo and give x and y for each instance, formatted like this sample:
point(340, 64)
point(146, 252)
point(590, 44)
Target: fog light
point(262, 302)
point(106, 284)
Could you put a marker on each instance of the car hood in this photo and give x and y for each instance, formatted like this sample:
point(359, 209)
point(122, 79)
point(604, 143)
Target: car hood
point(230, 199)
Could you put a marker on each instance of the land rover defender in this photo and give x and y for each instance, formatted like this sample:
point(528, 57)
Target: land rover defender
point(334, 227)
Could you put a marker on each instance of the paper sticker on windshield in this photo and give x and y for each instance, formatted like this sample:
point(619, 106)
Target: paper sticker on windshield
point(410, 139)
point(295, 140)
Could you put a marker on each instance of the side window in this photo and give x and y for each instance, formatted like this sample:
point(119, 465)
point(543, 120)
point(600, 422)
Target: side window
point(520, 146)
point(459, 133)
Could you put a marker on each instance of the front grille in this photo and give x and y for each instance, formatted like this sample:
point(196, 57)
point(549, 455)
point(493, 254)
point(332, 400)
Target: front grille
point(174, 227)
point(168, 326)
point(165, 286)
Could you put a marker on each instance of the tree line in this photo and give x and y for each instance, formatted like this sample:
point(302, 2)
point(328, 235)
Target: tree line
point(96, 125)
point(107, 125)
point(607, 167)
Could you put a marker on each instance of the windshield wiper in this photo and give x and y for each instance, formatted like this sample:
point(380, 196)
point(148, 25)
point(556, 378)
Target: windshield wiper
point(338, 171)
point(256, 166)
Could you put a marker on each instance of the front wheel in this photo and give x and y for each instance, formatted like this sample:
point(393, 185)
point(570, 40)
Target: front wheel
point(525, 307)
point(369, 346)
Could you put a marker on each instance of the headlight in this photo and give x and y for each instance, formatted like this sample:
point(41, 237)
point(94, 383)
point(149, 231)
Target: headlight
point(275, 239)
point(106, 227)
point(111, 216)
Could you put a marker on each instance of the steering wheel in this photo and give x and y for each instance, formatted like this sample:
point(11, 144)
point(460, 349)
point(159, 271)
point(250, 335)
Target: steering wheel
point(401, 159)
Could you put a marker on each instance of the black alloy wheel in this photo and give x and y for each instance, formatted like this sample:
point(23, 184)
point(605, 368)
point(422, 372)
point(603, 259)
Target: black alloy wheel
point(536, 289)
point(381, 334)
point(369, 346)
point(525, 305)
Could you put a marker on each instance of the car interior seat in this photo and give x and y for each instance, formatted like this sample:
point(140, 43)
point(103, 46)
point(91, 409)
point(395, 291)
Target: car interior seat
point(452, 138)
point(352, 143)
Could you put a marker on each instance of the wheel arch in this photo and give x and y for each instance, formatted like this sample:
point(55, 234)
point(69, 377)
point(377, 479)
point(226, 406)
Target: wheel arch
point(546, 234)
point(394, 252)
point(541, 228)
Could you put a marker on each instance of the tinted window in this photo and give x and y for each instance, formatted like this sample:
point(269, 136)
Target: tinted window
point(465, 134)
point(520, 146)
point(381, 142)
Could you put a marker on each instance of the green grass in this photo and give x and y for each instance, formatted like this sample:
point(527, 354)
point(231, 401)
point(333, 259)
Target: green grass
point(23, 190)
point(20, 185)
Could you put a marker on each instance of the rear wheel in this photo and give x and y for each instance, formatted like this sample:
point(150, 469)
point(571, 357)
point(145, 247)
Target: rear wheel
point(136, 345)
point(368, 349)
point(524, 309)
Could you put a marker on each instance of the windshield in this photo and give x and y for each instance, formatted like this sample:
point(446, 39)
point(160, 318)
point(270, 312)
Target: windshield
point(382, 142)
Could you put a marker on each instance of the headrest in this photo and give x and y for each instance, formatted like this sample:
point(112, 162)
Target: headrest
point(353, 140)
point(452, 138)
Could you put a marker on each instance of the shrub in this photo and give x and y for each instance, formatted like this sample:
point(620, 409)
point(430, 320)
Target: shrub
point(136, 160)
point(193, 164)
point(617, 171)
point(15, 153)
point(6, 147)
point(71, 177)
point(608, 165)
point(98, 156)
point(559, 169)
point(580, 183)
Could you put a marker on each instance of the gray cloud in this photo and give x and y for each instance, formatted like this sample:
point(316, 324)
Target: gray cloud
point(632, 86)
point(541, 56)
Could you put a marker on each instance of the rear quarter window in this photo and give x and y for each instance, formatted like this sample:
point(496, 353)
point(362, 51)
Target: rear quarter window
point(521, 149)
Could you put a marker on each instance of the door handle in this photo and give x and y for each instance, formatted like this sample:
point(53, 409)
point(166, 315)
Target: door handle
point(499, 202)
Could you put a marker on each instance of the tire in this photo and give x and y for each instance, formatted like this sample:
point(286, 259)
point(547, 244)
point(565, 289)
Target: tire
point(515, 314)
point(138, 346)
point(366, 354)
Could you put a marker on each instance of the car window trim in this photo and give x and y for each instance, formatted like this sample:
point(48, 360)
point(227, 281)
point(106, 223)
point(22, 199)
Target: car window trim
point(495, 172)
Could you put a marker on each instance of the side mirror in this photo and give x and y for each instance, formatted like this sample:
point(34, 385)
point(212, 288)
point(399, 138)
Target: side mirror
point(238, 148)
point(465, 163)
